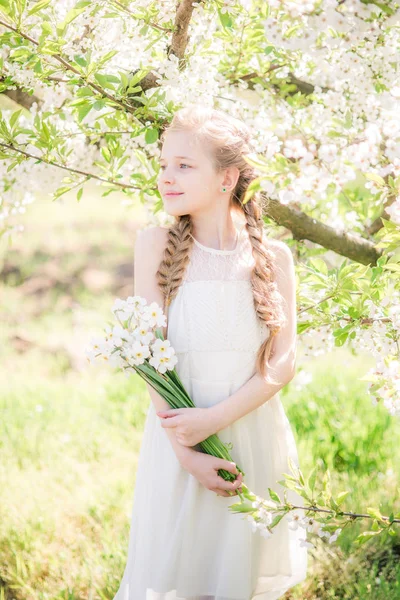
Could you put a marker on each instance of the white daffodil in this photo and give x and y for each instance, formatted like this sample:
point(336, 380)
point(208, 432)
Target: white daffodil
point(96, 342)
point(121, 309)
point(91, 355)
point(116, 333)
point(137, 302)
point(163, 362)
point(137, 353)
point(116, 360)
point(143, 333)
point(154, 315)
point(162, 347)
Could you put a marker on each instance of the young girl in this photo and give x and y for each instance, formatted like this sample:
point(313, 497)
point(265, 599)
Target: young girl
point(229, 294)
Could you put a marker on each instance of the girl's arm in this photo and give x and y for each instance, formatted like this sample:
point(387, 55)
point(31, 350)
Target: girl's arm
point(149, 247)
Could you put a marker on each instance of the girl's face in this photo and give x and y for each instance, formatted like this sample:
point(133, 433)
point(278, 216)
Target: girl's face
point(185, 168)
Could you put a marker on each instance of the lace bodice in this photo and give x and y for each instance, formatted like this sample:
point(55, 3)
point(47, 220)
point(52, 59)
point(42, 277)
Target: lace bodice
point(214, 307)
point(210, 264)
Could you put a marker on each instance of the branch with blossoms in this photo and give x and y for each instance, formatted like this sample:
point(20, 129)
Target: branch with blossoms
point(86, 73)
point(301, 225)
point(359, 306)
point(323, 518)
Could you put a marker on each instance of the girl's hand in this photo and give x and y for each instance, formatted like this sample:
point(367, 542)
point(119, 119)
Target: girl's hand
point(193, 425)
point(205, 468)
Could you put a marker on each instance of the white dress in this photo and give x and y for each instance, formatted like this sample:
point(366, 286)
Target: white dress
point(184, 543)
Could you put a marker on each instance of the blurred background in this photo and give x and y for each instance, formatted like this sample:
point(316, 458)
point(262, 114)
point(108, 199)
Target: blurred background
point(71, 432)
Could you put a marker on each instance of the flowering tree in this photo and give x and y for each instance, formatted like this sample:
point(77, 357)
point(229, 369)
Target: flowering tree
point(95, 82)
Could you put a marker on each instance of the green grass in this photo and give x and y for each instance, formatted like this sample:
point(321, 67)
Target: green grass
point(71, 433)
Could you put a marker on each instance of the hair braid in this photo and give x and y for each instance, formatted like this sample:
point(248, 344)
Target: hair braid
point(175, 259)
point(263, 282)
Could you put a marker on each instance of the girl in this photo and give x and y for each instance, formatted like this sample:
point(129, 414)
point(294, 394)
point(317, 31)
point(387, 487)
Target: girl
point(231, 293)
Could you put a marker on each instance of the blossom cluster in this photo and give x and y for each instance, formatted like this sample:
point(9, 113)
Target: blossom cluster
point(263, 515)
point(382, 341)
point(341, 51)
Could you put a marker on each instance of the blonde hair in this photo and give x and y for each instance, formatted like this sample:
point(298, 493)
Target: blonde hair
point(228, 140)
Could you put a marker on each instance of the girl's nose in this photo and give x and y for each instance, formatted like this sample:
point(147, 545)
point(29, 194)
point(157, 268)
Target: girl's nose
point(166, 177)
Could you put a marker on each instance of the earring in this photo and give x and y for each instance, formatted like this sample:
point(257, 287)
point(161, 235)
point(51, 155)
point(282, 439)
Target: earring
point(224, 189)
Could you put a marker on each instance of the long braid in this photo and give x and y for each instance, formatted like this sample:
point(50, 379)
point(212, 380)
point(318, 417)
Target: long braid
point(263, 283)
point(175, 260)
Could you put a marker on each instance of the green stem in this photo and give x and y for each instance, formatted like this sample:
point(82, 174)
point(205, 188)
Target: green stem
point(172, 390)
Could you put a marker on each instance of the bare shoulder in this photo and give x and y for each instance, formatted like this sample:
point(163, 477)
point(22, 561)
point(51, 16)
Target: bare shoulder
point(280, 249)
point(148, 254)
point(150, 242)
point(153, 235)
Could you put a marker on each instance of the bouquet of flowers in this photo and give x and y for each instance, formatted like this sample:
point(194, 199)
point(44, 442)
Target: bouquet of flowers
point(136, 344)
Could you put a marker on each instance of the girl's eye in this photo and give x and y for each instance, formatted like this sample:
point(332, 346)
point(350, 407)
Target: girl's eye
point(162, 167)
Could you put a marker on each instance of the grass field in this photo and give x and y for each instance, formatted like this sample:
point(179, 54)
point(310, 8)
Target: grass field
point(71, 433)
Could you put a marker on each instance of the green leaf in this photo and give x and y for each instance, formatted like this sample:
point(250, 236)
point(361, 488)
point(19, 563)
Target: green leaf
point(72, 15)
point(374, 512)
point(5, 7)
point(104, 81)
point(61, 191)
point(83, 92)
point(365, 536)
point(276, 519)
point(242, 508)
point(273, 495)
point(83, 111)
point(311, 478)
point(319, 265)
point(14, 117)
point(104, 59)
point(151, 135)
point(225, 18)
point(39, 6)
point(376, 178)
point(80, 60)
point(99, 104)
point(79, 194)
point(106, 154)
point(392, 267)
point(303, 326)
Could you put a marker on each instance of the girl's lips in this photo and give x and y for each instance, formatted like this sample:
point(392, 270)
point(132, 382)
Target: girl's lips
point(180, 194)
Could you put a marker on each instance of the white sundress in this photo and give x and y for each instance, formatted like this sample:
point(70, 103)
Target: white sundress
point(184, 543)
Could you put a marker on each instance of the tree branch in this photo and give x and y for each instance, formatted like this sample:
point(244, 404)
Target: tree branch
point(21, 97)
point(71, 169)
point(304, 227)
